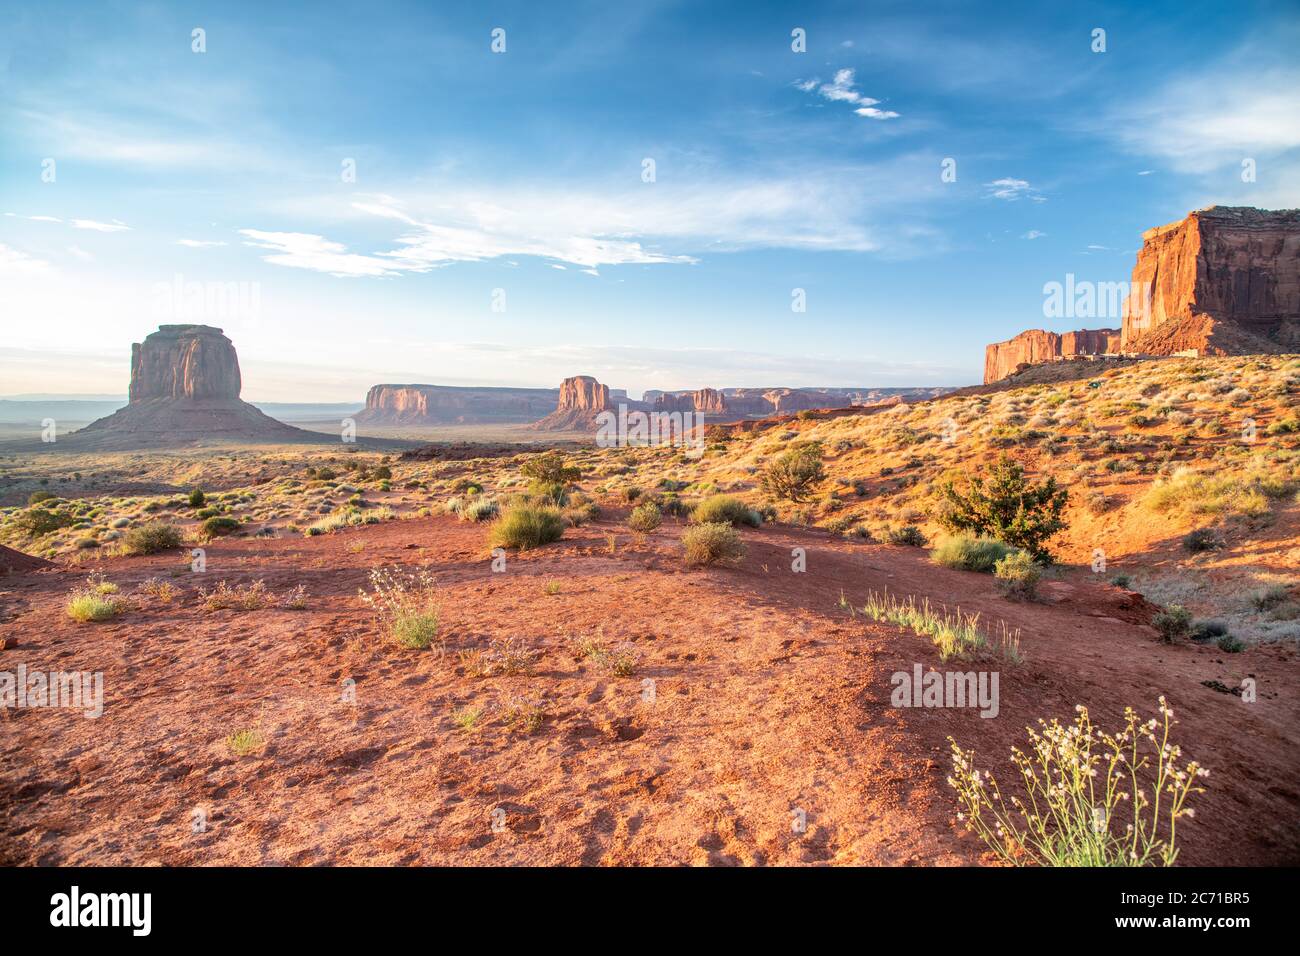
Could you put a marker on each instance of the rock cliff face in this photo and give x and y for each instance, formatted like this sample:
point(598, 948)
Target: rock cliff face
point(581, 399)
point(184, 361)
point(184, 392)
point(1225, 280)
point(445, 404)
point(1231, 265)
point(1037, 345)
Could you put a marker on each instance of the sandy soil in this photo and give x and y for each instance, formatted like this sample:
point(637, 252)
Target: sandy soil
point(768, 699)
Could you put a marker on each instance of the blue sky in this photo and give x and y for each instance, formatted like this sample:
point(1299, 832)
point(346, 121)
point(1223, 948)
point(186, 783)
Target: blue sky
point(522, 171)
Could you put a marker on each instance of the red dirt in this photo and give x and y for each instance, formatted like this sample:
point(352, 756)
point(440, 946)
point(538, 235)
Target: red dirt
point(13, 562)
point(768, 698)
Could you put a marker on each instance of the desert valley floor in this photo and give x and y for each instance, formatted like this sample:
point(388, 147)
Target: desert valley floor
point(769, 698)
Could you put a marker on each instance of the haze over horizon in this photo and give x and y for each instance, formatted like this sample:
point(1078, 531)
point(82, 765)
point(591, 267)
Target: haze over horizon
point(372, 186)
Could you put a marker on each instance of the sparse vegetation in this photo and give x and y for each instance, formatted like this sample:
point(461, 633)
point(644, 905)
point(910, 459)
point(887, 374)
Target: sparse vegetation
point(955, 633)
point(725, 508)
point(713, 543)
point(1008, 507)
point(1085, 795)
point(527, 526)
point(1172, 623)
point(405, 604)
point(966, 552)
point(795, 474)
point(645, 517)
point(1018, 575)
point(151, 538)
point(246, 741)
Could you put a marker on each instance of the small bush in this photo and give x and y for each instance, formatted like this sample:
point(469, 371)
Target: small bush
point(36, 497)
point(550, 492)
point(90, 605)
point(550, 468)
point(244, 742)
point(1202, 539)
point(1202, 632)
point(241, 597)
point(1230, 645)
point(908, 535)
point(151, 538)
point(1172, 623)
point(479, 509)
point(1006, 506)
point(1269, 597)
point(713, 543)
point(794, 474)
point(526, 526)
point(197, 498)
point(405, 605)
point(1018, 575)
point(966, 552)
point(217, 526)
point(41, 521)
point(724, 508)
point(645, 518)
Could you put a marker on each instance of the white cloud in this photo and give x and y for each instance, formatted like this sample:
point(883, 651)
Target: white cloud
point(16, 262)
point(1033, 234)
point(114, 226)
point(80, 253)
point(1012, 190)
point(35, 218)
point(300, 250)
point(841, 90)
point(199, 243)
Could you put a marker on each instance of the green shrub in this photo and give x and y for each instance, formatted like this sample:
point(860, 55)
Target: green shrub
point(1006, 506)
point(151, 538)
point(645, 517)
point(713, 543)
point(1230, 645)
point(90, 605)
point(1173, 622)
point(550, 468)
point(632, 493)
point(794, 474)
point(1269, 597)
point(41, 521)
point(1202, 539)
point(36, 497)
point(526, 526)
point(549, 492)
point(966, 552)
point(216, 526)
point(479, 509)
point(724, 508)
point(1202, 632)
point(197, 498)
point(1018, 575)
point(908, 535)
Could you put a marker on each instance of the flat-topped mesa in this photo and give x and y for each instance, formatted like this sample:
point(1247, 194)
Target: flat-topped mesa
point(1223, 275)
point(1037, 345)
point(453, 404)
point(184, 362)
point(707, 401)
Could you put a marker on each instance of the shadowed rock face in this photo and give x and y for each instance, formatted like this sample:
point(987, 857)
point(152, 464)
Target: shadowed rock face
point(582, 393)
point(415, 404)
point(184, 361)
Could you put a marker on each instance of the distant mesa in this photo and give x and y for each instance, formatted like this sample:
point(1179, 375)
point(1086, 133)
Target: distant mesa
point(453, 405)
point(581, 400)
point(184, 391)
point(1224, 280)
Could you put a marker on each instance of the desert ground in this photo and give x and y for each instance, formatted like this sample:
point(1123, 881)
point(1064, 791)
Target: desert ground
point(597, 699)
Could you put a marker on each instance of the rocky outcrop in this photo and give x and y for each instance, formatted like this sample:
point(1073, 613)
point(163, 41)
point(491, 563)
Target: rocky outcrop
point(184, 361)
point(1037, 345)
point(581, 399)
point(446, 404)
point(184, 392)
point(1223, 279)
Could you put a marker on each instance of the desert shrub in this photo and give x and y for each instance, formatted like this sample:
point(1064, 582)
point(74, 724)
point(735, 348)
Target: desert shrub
point(724, 508)
point(217, 526)
point(1202, 539)
point(1202, 632)
point(1018, 575)
point(955, 633)
point(550, 468)
point(382, 473)
point(36, 497)
point(197, 498)
point(1096, 502)
point(549, 492)
point(246, 741)
point(908, 535)
point(90, 604)
point(1196, 493)
point(1269, 597)
point(151, 538)
point(712, 543)
point(645, 517)
point(405, 604)
point(1230, 645)
point(1121, 581)
point(631, 493)
point(966, 552)
point(526, 526)
point(240, 597)
point(1007, 506)
point(479, 509)
point(1172, 623)
point(1085, 795)
point(794, 474)
point(37, 522)
point(1284, 427)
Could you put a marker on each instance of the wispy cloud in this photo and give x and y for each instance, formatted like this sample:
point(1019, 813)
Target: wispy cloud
point(841, 90)
point(114, 226)
point(16, 262)
point(199, 243)
point(1012, 190)
point(301, 250)
point(1033, 234)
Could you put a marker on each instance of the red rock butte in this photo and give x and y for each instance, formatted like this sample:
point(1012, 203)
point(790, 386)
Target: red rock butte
point(1224, 280)
point(184, 391)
